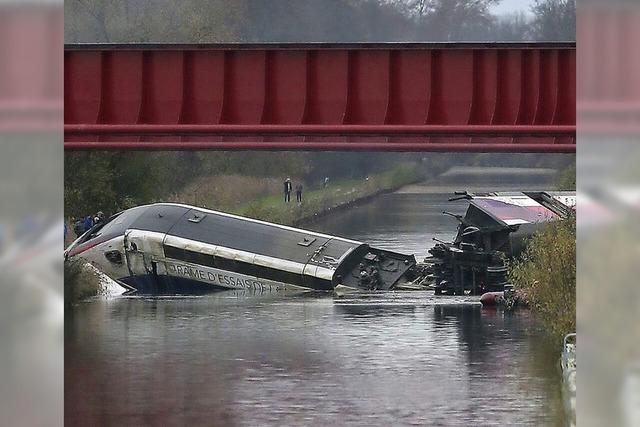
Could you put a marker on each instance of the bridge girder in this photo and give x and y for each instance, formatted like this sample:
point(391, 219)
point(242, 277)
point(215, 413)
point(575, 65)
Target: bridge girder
point(417, 97)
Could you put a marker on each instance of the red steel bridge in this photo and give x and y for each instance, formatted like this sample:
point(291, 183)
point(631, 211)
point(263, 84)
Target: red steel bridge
point(449, 93)
point(515, 97)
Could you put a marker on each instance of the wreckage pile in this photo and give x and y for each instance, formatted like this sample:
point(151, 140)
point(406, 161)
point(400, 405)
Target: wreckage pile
point(494, 229)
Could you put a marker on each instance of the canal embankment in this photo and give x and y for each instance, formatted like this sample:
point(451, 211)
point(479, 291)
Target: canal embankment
point(335, 196)
point(544, 277)
point(263, 198)
point(483, 179)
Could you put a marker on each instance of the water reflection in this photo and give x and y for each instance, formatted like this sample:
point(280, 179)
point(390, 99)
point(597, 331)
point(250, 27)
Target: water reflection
point(240, 359)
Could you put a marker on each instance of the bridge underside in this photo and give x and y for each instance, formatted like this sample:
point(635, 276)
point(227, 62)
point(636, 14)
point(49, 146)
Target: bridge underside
point(395, 97)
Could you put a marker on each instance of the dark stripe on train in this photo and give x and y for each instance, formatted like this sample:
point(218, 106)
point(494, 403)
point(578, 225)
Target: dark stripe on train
point(152, 284)
point(246, 268)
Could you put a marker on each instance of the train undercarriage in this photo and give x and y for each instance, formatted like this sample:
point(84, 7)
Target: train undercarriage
point(494, 229)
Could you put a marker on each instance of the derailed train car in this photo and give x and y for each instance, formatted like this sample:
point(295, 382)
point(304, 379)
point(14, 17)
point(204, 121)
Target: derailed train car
point(178, 249)
point(494, 228)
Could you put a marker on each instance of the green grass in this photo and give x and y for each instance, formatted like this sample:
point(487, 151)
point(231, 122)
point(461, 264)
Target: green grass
point(566, 179)
point(545, 276)
point(318, 200)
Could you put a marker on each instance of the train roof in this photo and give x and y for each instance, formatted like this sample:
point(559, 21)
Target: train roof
point(240, 233)
point(514, 208)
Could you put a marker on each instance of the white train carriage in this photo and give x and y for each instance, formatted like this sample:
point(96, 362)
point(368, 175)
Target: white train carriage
point(171, 248)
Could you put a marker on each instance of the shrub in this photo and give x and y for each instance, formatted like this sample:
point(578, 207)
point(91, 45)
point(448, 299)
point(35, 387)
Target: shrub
point(545, 276)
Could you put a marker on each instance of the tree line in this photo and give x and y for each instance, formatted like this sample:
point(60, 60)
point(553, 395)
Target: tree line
point(211, 21)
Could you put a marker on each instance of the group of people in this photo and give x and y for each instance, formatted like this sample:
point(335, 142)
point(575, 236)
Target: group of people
point(82, 225)
point(288, 189)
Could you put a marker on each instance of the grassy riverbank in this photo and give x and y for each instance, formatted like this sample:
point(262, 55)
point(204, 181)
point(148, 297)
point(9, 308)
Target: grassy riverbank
point(262, 198)
point(318, 201)
point(545, 276)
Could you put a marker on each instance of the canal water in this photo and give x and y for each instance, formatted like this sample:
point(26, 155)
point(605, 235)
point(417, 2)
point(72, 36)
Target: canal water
point(241, 358)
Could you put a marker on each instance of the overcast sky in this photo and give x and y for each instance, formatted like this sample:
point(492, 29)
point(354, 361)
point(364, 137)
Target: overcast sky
point(511, 6)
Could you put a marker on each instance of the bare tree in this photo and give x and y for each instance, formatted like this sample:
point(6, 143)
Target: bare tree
point(449, 20)
point(554, 19)
point(152, 20)
point(201, 21)
point(513, 27)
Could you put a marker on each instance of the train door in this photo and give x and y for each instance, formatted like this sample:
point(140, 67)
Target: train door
point(143, 249)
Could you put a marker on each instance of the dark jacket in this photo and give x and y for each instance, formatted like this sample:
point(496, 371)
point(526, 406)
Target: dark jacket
point(78, 227)
point(88, 223)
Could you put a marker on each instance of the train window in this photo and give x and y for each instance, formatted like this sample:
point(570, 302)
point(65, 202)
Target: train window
point(93, 233)
point(115, 225)
point(189, 256)
point(232, 265)
point(114, 257)
point(227, 264)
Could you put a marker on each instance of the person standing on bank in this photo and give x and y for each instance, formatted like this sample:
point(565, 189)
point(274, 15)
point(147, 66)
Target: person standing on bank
point(288, 187)
point(299, 193)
